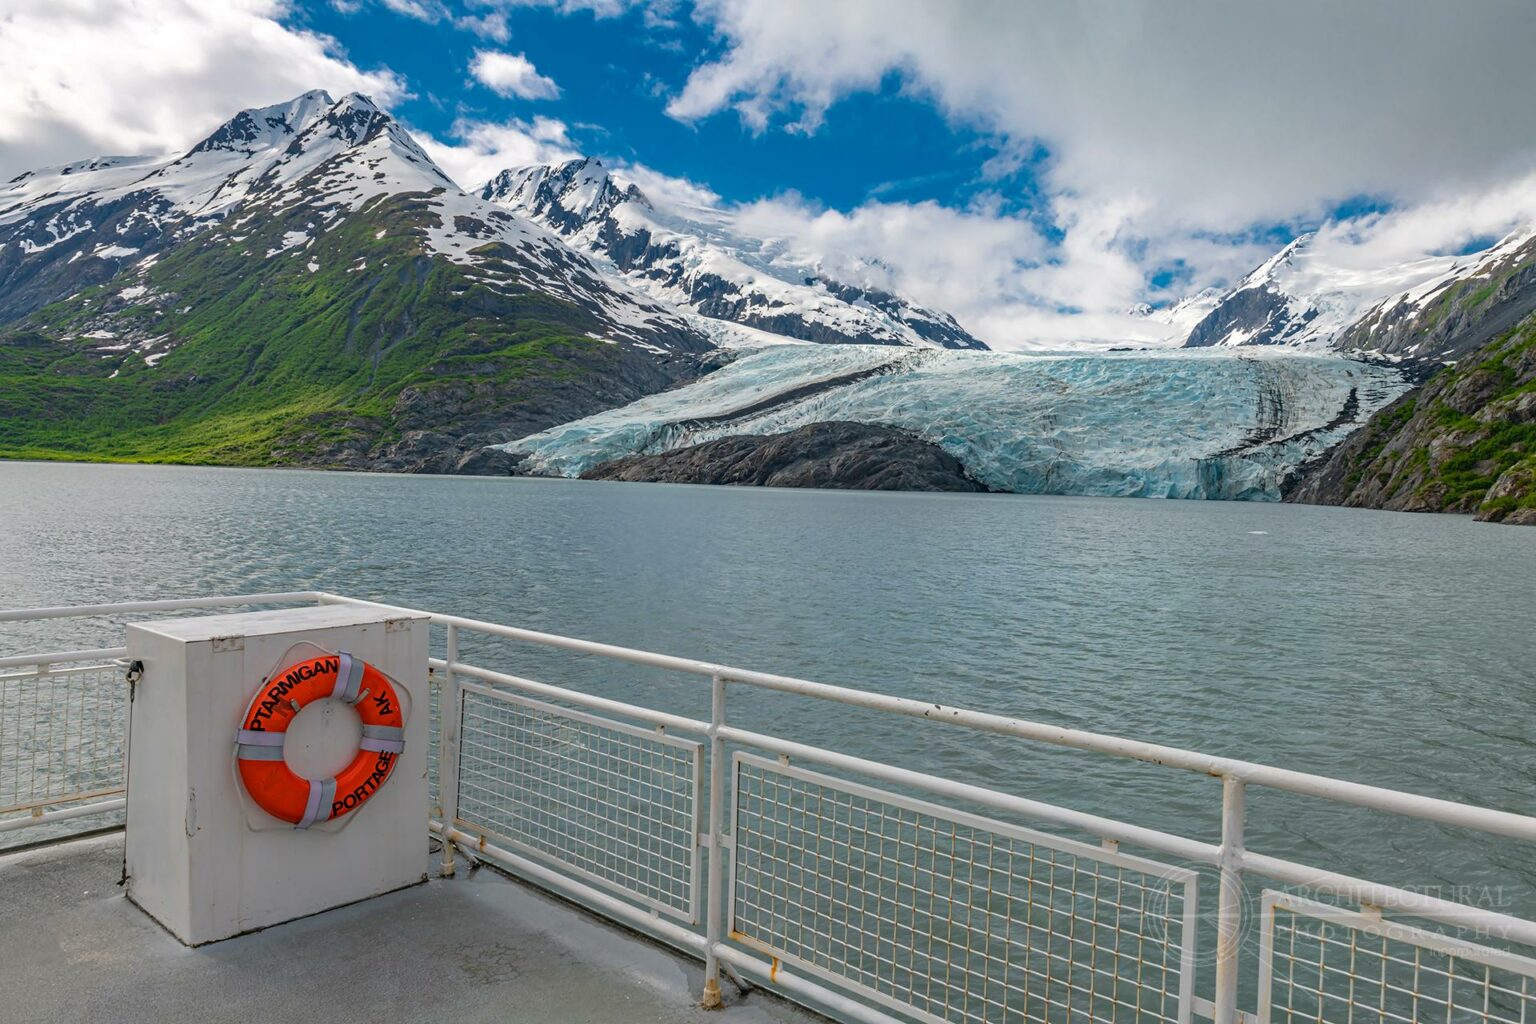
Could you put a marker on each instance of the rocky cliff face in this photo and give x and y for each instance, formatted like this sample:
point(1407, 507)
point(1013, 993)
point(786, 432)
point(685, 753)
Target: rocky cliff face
point(1463, 442)
point(837, 455)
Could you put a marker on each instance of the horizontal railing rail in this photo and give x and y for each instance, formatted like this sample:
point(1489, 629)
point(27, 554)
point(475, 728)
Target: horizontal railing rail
point(1447, 812)
point(870, 902)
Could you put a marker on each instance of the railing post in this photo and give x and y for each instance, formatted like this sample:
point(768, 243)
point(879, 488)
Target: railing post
point(449, 716)
point(1229, 910)
point(714, 909)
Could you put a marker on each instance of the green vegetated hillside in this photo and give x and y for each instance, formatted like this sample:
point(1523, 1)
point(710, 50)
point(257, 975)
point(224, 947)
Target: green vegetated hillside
point(356, 349)
point(1463, 442)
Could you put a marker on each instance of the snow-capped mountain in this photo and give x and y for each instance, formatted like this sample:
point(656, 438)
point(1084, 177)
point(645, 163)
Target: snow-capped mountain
point(1448, 317)
point(1299, 297)
point(697, 257)
point(312, 163)
point(307, 287)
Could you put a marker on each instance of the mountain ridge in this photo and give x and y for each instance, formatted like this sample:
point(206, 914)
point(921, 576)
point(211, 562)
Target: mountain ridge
point(1297, 298)
point(702, 260)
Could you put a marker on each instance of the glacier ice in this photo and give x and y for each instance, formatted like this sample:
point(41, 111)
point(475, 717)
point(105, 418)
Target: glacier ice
point(1176, 424)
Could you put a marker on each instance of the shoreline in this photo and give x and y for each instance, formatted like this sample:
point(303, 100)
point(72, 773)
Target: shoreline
point(329, 471)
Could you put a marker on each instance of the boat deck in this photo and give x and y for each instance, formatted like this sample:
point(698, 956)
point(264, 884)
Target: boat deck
point(477, 947)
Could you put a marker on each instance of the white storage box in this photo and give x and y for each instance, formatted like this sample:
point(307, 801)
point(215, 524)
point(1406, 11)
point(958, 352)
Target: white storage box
point(203, 860)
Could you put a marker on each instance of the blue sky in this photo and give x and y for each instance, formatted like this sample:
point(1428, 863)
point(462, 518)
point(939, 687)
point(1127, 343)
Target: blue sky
point(1042, 170)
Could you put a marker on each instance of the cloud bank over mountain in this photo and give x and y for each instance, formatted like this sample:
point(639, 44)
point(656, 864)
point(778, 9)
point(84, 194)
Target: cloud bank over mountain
point(95, 77)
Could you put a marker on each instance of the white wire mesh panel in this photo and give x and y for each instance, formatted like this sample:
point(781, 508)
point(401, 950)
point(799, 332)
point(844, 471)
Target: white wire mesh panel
point(950, 916)
point(1323, 963)
point(61, 736)
point(612, 803)
point(434, 742)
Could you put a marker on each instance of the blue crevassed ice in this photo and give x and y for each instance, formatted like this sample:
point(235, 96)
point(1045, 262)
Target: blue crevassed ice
point(1176, 424)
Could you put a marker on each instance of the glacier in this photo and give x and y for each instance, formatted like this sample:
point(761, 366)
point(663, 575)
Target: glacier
point(1152, 423)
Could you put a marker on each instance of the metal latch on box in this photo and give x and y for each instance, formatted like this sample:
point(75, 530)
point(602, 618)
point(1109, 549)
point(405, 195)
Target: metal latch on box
point(132, 675)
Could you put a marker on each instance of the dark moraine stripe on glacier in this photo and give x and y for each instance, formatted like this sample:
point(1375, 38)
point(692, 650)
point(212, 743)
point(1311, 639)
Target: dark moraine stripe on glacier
point(679, 434)
point(796, 394)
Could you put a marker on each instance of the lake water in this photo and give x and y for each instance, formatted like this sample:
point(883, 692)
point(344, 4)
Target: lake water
point(1387, 648)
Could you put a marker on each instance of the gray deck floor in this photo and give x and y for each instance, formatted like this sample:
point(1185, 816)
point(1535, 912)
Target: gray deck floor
point(469, 949)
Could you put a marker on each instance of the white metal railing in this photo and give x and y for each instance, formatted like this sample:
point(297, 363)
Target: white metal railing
point(878, 892)
point(61, 742)
point(1323, 962)
point(613, 804)
point(948, 915)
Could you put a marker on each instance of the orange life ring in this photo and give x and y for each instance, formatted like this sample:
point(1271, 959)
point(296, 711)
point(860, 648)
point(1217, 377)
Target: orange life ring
point(275, 787)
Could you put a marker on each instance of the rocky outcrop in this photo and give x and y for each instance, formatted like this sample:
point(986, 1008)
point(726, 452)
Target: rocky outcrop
point(837, 455)
point(1465, 442)
point(489, 461)
point(1259, 316)
point(1510, 499)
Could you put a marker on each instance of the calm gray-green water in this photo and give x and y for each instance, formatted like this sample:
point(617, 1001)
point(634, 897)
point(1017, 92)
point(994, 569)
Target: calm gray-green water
point(1386, 648)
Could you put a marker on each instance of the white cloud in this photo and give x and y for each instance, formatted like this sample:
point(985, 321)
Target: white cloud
point(598, 8)
point(481, 149)
point(424, 10)
point(512, 74)
point(1216, 114)
point(996, 273)
point(487, 26)
point(1437, 226)
point(665, 189)
point(91, 77)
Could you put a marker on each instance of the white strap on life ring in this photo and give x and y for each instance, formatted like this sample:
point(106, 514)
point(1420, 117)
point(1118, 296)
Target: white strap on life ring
point(256, 745)
point(322, 793)
point(386, 739)
point(349, 676)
